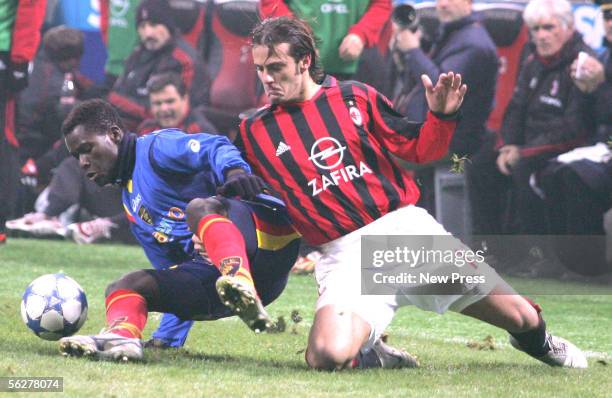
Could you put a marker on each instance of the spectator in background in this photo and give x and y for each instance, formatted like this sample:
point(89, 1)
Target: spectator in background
point(55, 86)
point(170, 107)
point(546, 116)
point(462, 45)
point(342, 28)
point(160, 50)
point(20, 23)
point(69, 187)
point(225, 34)
point(117, 23)
point(577, 186)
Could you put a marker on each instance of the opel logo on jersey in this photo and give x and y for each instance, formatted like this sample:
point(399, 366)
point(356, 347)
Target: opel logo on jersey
point(119, 8)
point(329, 149)
point(326, 148)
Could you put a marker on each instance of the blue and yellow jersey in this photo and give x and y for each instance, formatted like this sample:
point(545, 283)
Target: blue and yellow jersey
point(171, 169)
point(272, 224)
point(276, 240)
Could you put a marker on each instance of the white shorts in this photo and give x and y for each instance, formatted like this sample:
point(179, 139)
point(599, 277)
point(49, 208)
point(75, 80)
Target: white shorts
point(338, 273)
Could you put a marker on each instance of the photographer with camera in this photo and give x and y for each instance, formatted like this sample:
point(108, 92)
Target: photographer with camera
point(462, 44)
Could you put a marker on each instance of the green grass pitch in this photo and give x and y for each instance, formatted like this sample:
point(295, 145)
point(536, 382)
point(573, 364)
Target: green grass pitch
point(224, 358)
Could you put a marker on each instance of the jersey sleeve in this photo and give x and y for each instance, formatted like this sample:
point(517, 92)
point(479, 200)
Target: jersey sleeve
point(411, 141)
point(26, 32)
point(371, 23)
point(274, 8)
point(176, 152)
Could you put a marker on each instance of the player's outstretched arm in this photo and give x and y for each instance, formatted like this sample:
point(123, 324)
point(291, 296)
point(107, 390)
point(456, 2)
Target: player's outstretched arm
point(447, 95)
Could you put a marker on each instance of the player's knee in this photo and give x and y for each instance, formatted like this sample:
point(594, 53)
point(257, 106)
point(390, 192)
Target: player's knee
point(328, 355)
point(140, 282)
point(200, 207)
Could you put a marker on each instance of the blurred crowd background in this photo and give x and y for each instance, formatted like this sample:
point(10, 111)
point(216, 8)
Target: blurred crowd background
point(528, 176)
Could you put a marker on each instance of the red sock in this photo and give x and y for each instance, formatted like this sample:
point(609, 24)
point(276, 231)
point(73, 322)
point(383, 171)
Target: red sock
point(224, 245)
point(126, 313)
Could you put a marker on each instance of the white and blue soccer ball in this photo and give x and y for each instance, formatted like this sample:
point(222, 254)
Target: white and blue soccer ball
point(54, 306)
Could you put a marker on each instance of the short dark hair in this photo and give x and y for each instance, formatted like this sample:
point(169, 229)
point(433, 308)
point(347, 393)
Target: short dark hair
point(94, 115)
point(294, 31)
point(62, 43)
point(158, 82)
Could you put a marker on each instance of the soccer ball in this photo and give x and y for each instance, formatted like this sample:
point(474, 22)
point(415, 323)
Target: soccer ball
point(54, 306)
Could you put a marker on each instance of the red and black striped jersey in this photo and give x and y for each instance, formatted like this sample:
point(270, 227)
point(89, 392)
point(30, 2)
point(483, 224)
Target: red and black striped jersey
point(330, 157)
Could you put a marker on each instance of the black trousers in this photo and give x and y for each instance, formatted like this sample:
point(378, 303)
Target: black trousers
point(504, 204)
point(575, 213)
point(573, 207)
point(9, 166)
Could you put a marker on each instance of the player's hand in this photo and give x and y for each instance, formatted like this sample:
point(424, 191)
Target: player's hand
point(447, 95)
point(590, 75)
point(242, 184)
point(509, 156)
point(351, 47)
point(198, 246)
point(405, 39)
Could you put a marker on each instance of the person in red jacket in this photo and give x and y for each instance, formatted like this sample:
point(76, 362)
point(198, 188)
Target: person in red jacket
point(342, 28)
point(20, 23)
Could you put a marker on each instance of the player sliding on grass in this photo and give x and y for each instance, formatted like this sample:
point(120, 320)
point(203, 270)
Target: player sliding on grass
point(252, 245)
point(326, 147)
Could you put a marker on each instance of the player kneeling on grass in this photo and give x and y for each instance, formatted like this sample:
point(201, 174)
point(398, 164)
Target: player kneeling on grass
point(252, 245)
point(337, 176)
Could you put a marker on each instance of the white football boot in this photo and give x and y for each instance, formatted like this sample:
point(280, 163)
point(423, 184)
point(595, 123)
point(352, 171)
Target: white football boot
point(37, 224)
point(562, 353)
point(385, 356)
point(242, 300)
point(107, 346)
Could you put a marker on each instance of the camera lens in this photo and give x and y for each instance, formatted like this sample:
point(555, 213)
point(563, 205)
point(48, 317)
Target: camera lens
point(405, 16)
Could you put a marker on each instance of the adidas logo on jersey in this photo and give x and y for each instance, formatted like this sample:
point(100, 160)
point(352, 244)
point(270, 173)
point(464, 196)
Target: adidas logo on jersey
point(282, 148)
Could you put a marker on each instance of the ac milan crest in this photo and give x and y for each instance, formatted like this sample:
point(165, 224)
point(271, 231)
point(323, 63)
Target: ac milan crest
point(355, 115)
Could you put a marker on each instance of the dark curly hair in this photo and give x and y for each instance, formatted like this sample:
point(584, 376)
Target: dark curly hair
point(94, 115)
